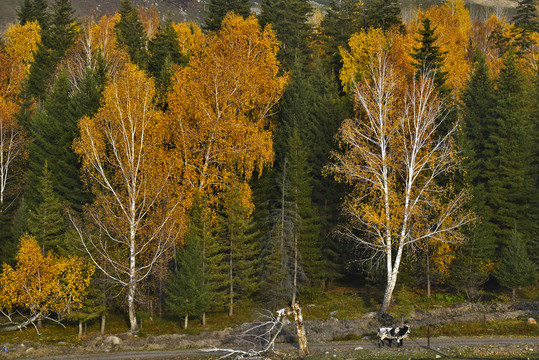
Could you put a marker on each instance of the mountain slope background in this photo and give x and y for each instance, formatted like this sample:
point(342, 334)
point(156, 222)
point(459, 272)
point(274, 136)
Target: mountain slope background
point(194, 10)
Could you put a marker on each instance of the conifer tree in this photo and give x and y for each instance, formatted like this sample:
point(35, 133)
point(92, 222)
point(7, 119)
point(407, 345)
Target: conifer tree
point(307, 245)
point(328, 109)
point(343, 18)
point(527, 20)
point(62, 31)
point(57, 38)
point(289, 19)
point(384, 14)
point(478, 119)
point(217, 9)
point(240, 251)
point(46, 223)
point(164, 51)
point(131, 34)
point(34, 10)
point(516, 269)
point(428, 57)
point(54, 127)
point(510, 156)
point(187, 291)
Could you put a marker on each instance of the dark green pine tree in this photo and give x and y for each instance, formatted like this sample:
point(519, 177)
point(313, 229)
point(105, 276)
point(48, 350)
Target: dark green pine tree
point(328, 110)
point(510, 157)
point(307, 247)
point(164, 52)
point(37, 82)
point(8, 245)
point(46, 223)
point(384, 14)
point(428, 57)
point(53, 128)
point(56, 40)
point(20, 220)
point(188, 293)
point(62, 32)
point(343, 18)
point(469, 269)
point(516, 269)
point(217, 10)
point(527, 20)
point(87, 99)
point(289, 19)
point(237, 234)
point(131, 34)
point(478, 118)
point(34, 10)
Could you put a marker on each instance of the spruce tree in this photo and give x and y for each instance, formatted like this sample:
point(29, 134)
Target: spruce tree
point(516, 269)
point(164, 52)
point(62, 32)
point(54, 127)
point(25, 12)
point(384, 14)
point(510, 156)
point(57, 38)
point(527, 20)
point(307, 234)
point(34, 10)
point(46, 223)
point(478, 118)
point(328, 109)
point(289, 19)
point(428, 57)
point(187, 291)
point(240, 251)
point(8, 245)
point(131, 34)
point(217, 10)
point(343, 18)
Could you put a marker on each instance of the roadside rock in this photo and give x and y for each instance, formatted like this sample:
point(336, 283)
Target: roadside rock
point(114, 340)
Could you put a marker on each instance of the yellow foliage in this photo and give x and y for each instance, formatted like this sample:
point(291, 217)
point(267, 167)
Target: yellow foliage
point(22, 42)
point(190, 37)
point(454, 29)
point(44, 284)
point(220, 103)
point(363, 47)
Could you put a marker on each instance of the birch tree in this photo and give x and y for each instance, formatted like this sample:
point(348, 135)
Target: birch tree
point(392, 155)
point(122, 151)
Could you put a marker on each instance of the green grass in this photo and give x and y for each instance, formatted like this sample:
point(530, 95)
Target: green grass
point(349, 303)
point(509, 327)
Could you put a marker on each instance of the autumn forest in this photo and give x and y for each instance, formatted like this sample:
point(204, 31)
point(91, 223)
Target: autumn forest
point(183, 169)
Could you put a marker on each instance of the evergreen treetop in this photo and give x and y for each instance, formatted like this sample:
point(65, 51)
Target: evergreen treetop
point(217, 10)
point(428, 56)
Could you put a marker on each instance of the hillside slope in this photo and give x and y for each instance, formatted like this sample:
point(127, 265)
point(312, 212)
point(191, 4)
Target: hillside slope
point(183, 10)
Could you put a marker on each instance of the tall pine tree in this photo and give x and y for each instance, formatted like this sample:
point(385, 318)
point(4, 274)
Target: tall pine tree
point(510, 157)
point(217, 10)
point(289, 19)
point(131, 34)
point(188, 293)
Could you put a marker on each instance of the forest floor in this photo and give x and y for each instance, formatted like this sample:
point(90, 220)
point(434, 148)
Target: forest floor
point(467, 330)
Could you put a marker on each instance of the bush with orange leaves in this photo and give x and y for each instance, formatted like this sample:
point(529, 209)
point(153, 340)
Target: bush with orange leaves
point(41, 286)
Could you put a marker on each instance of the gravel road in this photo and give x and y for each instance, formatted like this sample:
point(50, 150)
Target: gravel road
point(532, 344)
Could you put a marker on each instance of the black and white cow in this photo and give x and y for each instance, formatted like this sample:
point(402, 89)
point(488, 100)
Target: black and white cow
point(390, 334)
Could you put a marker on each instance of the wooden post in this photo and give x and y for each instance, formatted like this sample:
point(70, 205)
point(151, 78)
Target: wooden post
point(428, 336)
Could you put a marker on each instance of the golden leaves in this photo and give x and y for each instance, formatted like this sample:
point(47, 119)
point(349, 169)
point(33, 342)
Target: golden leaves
point(190, 37)
point(42, 283)
point(220, 103)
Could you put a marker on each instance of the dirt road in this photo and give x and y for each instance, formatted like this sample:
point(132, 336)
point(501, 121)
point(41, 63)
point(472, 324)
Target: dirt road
point(530, 344)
